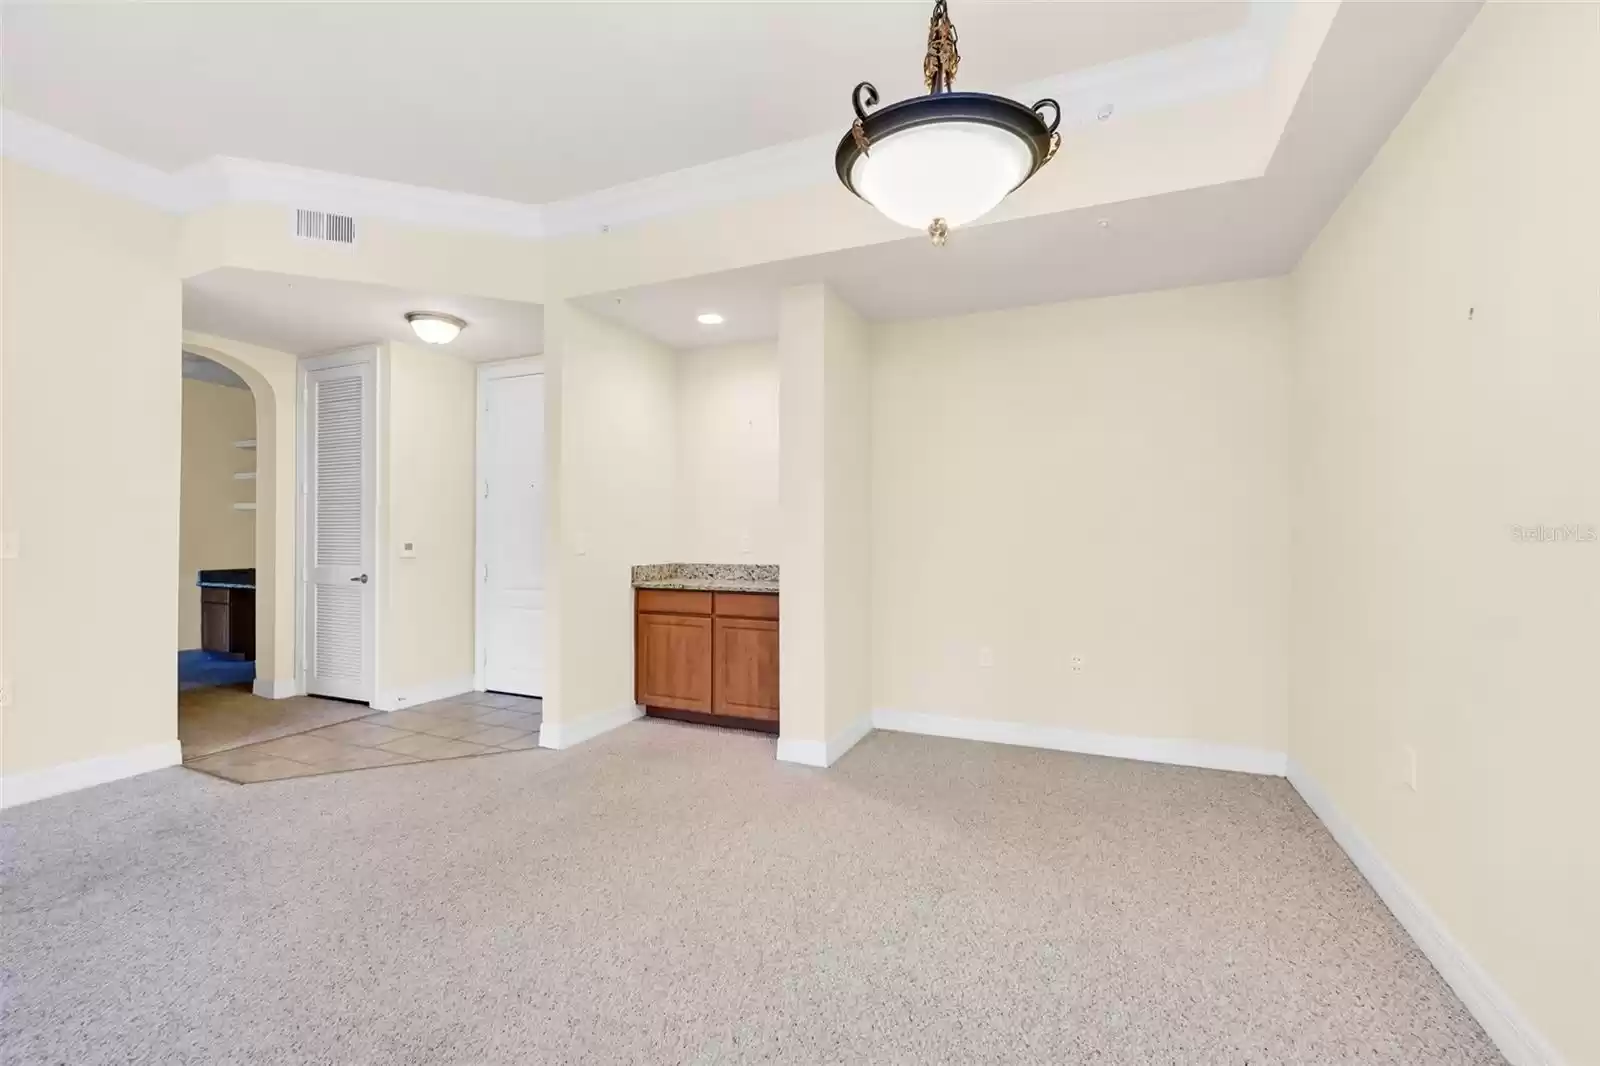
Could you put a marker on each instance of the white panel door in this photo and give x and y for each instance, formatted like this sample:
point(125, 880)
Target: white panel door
point(511, 534)
point(340, 545)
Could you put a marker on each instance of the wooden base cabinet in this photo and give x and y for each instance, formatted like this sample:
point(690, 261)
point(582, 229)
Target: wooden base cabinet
point(228, 621)
point(707, 656)
point(673, 667)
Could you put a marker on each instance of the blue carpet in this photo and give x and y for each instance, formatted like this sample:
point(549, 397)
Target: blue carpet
point(202, 669)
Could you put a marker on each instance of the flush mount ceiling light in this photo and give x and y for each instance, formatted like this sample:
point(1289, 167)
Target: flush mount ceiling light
point(945, 159)
point(435, 327)
point(708, 318)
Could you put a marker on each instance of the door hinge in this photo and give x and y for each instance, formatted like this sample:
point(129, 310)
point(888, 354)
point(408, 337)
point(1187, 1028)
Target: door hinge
point(486, 488)
point(485, 573)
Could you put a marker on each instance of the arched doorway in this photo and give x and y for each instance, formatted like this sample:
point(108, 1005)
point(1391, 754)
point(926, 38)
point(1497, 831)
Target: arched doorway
point(217, 531)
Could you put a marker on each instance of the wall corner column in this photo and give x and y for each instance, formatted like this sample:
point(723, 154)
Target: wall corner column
point(824, 500)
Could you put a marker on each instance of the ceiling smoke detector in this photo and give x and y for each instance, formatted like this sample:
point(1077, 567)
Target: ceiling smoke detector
point(435, 327)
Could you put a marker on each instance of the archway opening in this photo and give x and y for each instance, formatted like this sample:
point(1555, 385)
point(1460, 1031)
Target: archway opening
point(217, 529)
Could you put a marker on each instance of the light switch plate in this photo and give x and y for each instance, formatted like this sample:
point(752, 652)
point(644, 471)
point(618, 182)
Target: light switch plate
point(408, 549)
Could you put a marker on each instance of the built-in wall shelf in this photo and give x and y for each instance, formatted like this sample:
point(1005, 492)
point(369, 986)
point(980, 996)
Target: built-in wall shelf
point(249, 445)
point(245, 475)
point(244, 507)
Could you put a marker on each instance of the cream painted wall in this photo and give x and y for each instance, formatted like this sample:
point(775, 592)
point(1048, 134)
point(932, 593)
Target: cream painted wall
point(272, 377)
point(92, 425)
point(824, 640)
point(1448, 391)
point(847, 506)
point(728, 454)
point(259, 236)
point(611, 422)
point(1106, 478)
point(211, 533)
point(425, 613)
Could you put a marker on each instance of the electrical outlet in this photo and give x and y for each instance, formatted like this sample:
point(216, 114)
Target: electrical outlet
point(1409, 766)
point(1077, 664)
point(985, 657)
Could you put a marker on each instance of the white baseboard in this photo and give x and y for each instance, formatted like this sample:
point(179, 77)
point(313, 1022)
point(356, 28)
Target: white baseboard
point(410, 697)
point(17, 789)
point(1178, 752)
point(279, 688)
point(1513, 1034)
point(818, 753)
point(557, 734)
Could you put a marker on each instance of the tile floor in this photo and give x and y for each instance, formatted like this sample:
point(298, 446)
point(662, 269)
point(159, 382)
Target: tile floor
point(356, 738)
point(229, 716)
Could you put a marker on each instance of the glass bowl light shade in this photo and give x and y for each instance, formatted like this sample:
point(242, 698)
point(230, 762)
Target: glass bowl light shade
point(435, 327)
point(945, 159)
point(957, 171)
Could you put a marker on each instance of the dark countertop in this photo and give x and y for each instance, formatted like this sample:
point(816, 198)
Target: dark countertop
point(241, 578)
point(708, 577)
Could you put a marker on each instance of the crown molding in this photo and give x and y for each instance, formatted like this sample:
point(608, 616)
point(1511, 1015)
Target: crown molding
point(57, 152)
point(226, 180)
point(1211, 67)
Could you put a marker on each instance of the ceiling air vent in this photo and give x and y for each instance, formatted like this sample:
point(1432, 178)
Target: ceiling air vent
point(324, 226)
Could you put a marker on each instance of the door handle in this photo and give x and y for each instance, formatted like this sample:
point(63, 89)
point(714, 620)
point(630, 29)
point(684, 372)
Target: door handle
point(362, 579)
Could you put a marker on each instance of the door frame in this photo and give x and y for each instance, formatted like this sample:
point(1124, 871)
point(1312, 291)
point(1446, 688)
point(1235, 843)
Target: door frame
point(525, 366)
point(377, 356)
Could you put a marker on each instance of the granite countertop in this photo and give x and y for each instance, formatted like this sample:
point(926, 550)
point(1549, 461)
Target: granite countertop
point(707, 577)
point(240, 578)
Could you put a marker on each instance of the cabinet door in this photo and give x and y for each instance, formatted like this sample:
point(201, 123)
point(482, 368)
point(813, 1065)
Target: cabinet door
point(214, 617)
point(745, 668)
point(672, 662)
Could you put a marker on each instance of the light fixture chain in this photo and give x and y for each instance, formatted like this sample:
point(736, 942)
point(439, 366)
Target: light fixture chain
point(939, 66)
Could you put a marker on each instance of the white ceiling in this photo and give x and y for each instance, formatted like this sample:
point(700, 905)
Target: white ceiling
point(536, 101)
point(1375, 60)
point(305, 316)
point(526, 102)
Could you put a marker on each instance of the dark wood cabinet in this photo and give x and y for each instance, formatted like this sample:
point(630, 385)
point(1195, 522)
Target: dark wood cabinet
point(708, 657)
point(228, 621)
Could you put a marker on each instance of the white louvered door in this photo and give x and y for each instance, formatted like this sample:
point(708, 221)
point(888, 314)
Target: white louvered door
point(340, 546)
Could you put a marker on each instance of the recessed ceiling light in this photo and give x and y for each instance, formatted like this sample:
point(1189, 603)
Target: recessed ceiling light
point(435, 327)
point(708, 318)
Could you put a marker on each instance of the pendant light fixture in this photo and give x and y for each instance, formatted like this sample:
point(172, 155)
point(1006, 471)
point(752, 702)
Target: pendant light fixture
point(942, 160)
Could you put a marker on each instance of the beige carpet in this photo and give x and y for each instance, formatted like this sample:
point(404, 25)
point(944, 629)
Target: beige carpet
point(670, 894)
